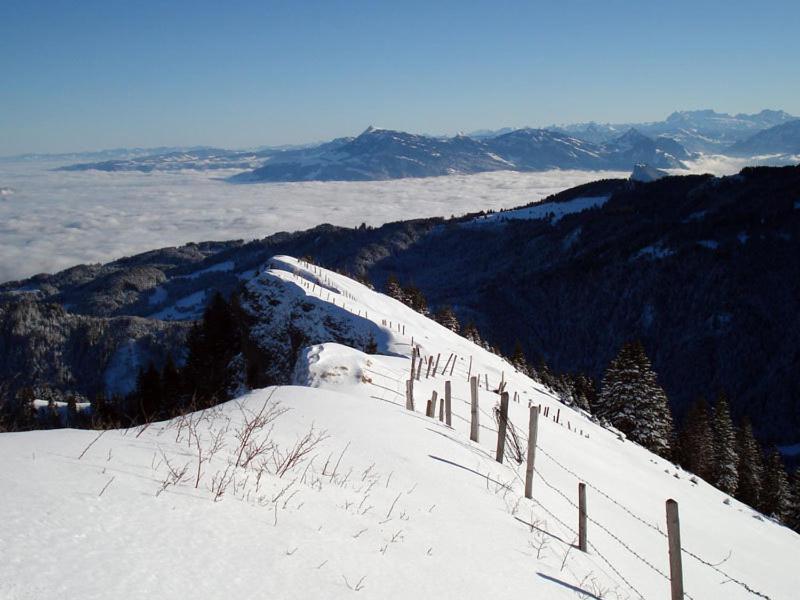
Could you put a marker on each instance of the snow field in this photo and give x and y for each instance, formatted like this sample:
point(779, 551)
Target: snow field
point(377, 501)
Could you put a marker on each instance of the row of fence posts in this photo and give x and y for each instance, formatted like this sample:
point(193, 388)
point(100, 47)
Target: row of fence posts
point(445, 415)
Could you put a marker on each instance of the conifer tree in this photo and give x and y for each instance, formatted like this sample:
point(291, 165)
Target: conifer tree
point(751, 466)
point(775, 491)
point(518, 360)
point(584, 392)
point(632, 400)
point(726, 461)
point(471, 333)
point(394, 289)
point(696, 441)
point(447, 318)
point(148, 393)
point(171, 387)
point(212, 344)
point(415, 299)
point(793, 511)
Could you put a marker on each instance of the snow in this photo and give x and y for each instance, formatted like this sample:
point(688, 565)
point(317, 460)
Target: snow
point(222, 267)
point(654, 252)
point(390, 503)
point(120, 374)
point(543, 210)
point(158, 296)
point(188, 307)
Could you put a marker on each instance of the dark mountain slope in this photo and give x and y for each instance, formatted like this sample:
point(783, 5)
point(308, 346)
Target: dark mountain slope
point(781, 139)
point(703, 270)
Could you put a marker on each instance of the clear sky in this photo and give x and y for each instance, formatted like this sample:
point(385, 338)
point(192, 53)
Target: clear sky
point(86, 74)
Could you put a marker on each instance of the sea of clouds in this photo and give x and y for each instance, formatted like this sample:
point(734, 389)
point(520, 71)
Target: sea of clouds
point(56, 219)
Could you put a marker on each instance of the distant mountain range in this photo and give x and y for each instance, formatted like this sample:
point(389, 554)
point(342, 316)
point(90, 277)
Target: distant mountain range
point(379, 154)
point(705, 131)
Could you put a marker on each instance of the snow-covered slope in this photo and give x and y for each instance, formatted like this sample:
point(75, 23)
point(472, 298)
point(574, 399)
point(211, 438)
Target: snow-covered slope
point(384, 502)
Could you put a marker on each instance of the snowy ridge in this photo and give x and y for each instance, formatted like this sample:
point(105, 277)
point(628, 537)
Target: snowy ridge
point(387, 503)
point(544, 210)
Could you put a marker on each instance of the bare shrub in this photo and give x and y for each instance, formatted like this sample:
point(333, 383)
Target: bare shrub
point(284, 462)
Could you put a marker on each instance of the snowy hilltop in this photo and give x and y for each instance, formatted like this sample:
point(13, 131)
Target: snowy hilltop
point(336, 485)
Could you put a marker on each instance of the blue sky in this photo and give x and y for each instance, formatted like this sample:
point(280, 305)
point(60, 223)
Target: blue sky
point(87, 75)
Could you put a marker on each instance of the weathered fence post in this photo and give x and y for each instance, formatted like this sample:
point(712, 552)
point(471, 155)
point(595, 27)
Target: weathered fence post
point(533, 429)
point(674, 537)
point(473, 389)
point(433, 406)
point(582, 517)
point(428, 408)
point(410, 394)
point(436, 366)
point(430, 364)
point(469, 371)
point(447, 364)
point(419, 367)
point(441, 410)
point(413, 363)
point(502, 424)
point(453, 366)
point(448, 415)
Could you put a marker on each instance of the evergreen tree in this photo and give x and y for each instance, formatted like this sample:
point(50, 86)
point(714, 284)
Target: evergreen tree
point(394, 289)
point(471, 333)
point(148, 394)
point(212, 344)
point(696, 441)
point(775, 492)
point(447, 318)
point(584, 392)
point(726, 461)
point(751, 466)
point(73, 419)
point(632, 400)
point(20, 413)
point(372, 345)
point(171, 387)
point(415, 299)
point(518, 360)
point(793, 513)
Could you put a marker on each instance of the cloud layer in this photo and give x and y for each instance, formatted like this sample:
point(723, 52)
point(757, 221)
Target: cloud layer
point(55, 220)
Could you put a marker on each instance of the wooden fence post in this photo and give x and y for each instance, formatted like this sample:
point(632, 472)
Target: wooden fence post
point(448, 415)
point(436, 366)
point(533, 429)
point(419, 367)
point(433, 406)
point(453, 366)
point(502, 424)
point(473, 388)
point(469, 371)
point(428, 408)
point(428, 371)
point(582, 517)
point(441, 410)
point(674, 537)
point(410, 394)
